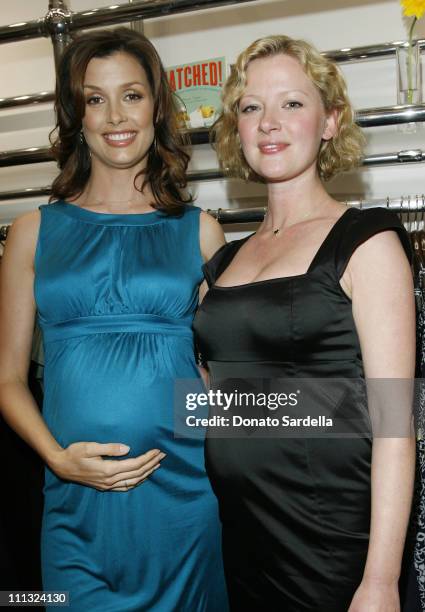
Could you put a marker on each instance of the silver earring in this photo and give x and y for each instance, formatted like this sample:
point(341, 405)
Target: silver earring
point(83, 142)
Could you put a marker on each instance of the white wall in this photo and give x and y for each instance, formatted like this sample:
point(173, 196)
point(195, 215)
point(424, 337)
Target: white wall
point(27, 67)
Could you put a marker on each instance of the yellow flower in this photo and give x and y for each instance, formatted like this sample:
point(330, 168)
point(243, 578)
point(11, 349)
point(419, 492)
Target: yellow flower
point(413, 8)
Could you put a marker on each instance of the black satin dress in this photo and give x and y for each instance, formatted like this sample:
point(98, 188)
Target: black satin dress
point(295, 511)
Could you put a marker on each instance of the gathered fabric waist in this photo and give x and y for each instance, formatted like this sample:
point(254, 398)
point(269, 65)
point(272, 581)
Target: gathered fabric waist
point(115, 323)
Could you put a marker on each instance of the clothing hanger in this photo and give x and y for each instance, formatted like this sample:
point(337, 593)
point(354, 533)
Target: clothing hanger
point(421, 232)
point(409, 218)
point(417, 241)
point(418, 258)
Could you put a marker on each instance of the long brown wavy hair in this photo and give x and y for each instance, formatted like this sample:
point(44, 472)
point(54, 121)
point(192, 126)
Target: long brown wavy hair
point(167, 161)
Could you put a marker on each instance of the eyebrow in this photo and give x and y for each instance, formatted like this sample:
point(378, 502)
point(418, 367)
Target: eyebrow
point(283, 91)
point(124, 85)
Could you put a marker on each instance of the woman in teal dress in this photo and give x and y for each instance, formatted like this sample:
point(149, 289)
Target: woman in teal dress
point(112, 268)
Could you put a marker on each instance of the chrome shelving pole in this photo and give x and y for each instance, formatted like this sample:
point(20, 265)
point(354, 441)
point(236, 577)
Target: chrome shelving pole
point(108, 15)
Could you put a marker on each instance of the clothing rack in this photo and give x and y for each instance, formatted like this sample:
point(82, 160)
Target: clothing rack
point(413, 205)
point(410, 205)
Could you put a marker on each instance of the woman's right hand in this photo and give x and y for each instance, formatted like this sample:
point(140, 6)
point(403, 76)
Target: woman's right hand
point(85, 463)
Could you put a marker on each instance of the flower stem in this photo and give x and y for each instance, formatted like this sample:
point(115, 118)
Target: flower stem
point(410, 64)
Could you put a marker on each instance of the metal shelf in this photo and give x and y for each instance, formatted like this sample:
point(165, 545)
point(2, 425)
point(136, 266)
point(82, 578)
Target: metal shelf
point(37, 98)
point(345, 55)
point(369, 52)
point(37, 155)
point(63, 20)
point(403, 204)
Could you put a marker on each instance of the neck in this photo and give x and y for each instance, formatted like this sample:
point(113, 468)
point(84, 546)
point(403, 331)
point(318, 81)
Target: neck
point(112, 189)
point(293, 201)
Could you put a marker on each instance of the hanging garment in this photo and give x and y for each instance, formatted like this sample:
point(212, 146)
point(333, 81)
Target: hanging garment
point(116, 295)
point(414, 600)
point(295, 511)
point(419, 553)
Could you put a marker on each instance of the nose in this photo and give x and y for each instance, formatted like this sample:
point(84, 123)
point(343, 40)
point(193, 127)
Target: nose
point(269, 120)
point(116, 113)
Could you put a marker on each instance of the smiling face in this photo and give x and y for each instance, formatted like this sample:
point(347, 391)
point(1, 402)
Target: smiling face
point(281, 119)
point(118, 121)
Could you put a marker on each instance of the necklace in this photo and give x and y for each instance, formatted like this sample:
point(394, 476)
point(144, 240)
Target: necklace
point(277, 230)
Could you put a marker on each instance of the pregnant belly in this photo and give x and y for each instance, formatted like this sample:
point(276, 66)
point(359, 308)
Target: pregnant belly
point(115, 389)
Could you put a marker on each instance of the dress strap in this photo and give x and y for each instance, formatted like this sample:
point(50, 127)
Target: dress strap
point(362, 225)
point(220, 260)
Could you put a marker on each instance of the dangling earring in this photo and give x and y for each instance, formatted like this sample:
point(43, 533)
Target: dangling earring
point(83, 141)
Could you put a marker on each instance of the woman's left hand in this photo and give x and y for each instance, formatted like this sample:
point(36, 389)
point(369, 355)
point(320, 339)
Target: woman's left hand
point(376, 596)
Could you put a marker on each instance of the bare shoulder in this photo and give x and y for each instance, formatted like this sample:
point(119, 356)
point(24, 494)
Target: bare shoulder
point(23, 234)
point(27, 223)
point(383, 248)
point(208, 222)
point(211, 235)
point(380, 265)
point(384, 306)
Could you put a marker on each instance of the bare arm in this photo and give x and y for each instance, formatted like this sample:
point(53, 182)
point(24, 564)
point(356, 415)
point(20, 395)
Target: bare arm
point(381, 284)
point(82, 461)
point(211, 238)
point(17, 310)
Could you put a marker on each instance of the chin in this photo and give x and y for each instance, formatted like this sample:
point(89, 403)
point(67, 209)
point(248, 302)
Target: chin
point(274, 177)
point(283, 175)
point(272, 172)
point(121, 164)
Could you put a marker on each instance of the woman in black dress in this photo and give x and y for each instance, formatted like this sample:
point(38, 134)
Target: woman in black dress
point(309, 523)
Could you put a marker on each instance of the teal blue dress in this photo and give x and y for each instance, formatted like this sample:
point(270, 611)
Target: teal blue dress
point(116, 295)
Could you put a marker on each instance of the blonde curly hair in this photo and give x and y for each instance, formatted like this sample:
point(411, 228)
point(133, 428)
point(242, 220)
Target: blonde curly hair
point(343, 152)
